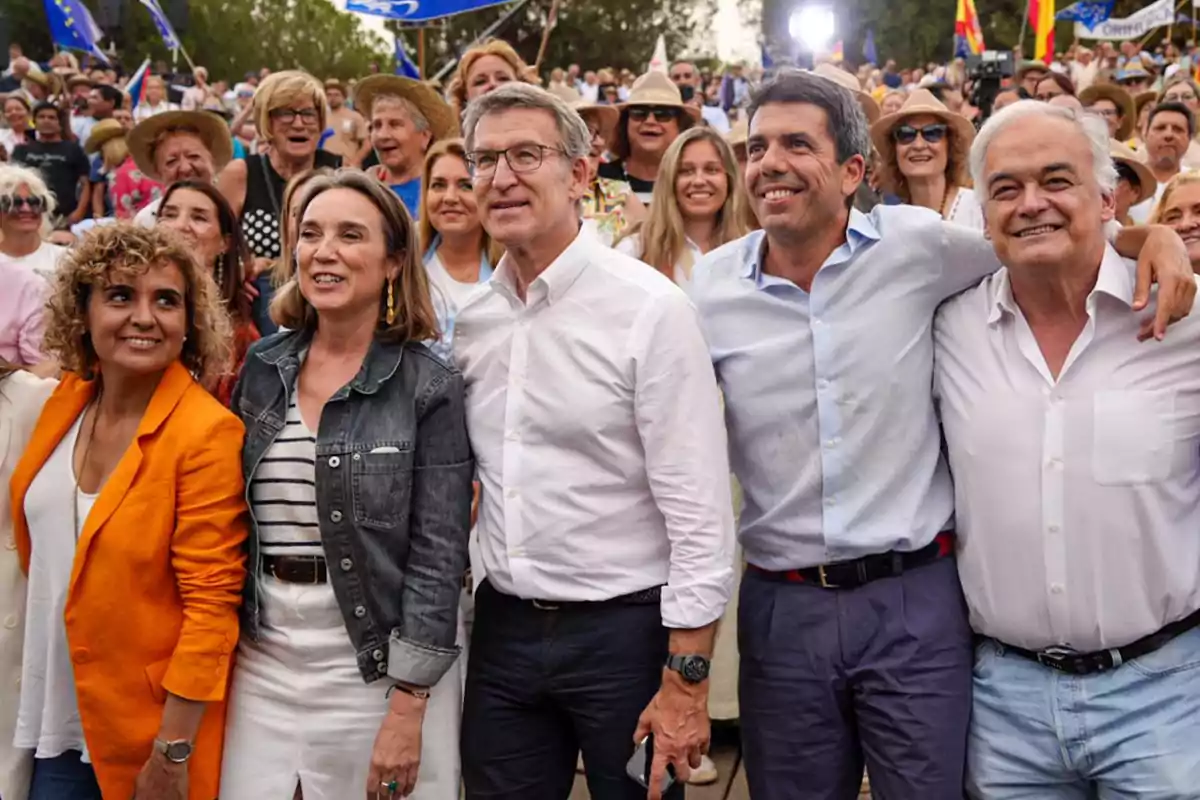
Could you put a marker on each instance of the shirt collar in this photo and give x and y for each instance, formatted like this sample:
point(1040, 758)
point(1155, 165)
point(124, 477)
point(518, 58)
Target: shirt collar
point(555, 279)
point(859, 231)
point(1115, 279)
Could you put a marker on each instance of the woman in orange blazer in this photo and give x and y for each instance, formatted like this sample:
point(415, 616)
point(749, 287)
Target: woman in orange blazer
point(129, 519)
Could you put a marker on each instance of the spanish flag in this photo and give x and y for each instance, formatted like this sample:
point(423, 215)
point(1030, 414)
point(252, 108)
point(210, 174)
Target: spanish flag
point(838, 54)
point(968, 35)
point(1041, 19)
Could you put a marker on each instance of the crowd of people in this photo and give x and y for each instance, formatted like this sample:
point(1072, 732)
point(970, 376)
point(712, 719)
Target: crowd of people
point(377, 436)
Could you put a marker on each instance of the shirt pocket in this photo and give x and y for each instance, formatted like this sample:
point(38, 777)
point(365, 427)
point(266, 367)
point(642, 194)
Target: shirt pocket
point(382, 486)
point(1132, 439)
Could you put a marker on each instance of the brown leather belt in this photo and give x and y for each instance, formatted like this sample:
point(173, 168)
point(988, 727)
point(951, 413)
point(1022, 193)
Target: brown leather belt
point(296, 569)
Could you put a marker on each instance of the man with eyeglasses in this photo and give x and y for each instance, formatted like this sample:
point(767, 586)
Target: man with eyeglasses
point(1168, 133)
point(605, 526)
point(685, 75)
point(63, 164)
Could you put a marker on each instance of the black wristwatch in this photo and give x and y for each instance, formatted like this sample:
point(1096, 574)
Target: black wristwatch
point(177, 751)
point(694, 669)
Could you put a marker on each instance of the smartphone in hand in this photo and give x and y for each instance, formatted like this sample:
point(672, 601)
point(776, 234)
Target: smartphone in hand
point(639, 766)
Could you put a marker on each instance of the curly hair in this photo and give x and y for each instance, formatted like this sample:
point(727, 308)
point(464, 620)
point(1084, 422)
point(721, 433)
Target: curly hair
point(958, 169)
point(489, 47)
point(126, 248)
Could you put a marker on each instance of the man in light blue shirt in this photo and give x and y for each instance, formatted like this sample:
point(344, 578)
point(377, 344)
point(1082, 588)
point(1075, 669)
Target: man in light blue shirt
point(853, 631)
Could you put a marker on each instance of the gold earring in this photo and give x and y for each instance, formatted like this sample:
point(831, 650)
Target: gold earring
point(391, 308)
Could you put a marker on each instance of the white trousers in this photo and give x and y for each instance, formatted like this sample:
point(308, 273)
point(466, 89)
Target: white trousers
point(299, 709)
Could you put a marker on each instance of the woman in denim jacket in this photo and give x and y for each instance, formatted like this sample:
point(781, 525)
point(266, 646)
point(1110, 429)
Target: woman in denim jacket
point(358, 473)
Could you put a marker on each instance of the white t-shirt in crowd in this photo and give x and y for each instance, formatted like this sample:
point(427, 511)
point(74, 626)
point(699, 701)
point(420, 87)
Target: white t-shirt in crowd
point(48, 720)
point(966, 210)
point(148, 216)
point(590, 92)
point(632, 246)
point(456, 292)
point(43, 261)
point(1142, 211)
point(146, 110)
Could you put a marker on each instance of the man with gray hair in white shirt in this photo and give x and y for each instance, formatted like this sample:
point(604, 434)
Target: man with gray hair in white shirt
point(605, 525)
point(1075, 451)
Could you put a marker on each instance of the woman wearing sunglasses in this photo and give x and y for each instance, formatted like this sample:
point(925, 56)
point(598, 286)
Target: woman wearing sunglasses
point(26, 205)
point(923, 151)
point(651, 120)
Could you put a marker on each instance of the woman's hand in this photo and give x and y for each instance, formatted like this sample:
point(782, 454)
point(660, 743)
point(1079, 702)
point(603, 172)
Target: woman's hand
point(161, 779)
point(397, 753)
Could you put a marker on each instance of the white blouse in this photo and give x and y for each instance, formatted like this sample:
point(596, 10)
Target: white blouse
point(48, 719)
point(632, 246)
point(966, 210)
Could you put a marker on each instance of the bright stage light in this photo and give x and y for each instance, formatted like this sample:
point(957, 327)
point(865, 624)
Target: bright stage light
point(813, 27)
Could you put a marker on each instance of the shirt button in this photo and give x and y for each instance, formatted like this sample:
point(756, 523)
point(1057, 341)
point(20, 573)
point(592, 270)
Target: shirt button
point(1056, 588)
point(1055, 463)
point(377, 655)
point(822, 384)
point(360, 611)
point(829, 501)
point(1054, 529)
point(818, 322)
point(81, 655)
point(513, 492)
point(334, 462)
point(346, 564)
point(513, 436)
point(335, 515)
point(10, 621)
point(10, 543)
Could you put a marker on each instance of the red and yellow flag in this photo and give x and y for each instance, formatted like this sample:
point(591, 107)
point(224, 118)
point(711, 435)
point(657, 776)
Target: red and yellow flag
point(967, 33)
point(838, 54)
point(1041, 20)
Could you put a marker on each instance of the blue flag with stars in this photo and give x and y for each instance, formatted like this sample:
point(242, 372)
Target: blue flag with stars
point(169, 37)
point(418, 10)
point(72, 27)
point(1090, 12)
point(405, 68)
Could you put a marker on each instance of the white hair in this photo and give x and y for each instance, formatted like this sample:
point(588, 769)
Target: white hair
point(419, 120)
point(1093, 128)
point(14, 176)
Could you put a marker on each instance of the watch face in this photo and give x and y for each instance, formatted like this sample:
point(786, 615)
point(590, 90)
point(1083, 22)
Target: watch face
point(694, 669)
point(178, 751)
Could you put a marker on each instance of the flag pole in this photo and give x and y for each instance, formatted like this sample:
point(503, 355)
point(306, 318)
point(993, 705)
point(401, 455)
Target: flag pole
point(421, 52)
point(448, 67)
point(1024, 25)
point(550, 22)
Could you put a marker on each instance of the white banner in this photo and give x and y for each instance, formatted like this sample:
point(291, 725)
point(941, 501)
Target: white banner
point(1134, 26)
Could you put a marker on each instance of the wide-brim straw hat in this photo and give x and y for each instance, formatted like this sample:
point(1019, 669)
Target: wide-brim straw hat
point(1142, 100)
point(49, 81)
point(920, 103)
point(658, 90)
point(79, 79)
point(1031, 66)
point(850, 83)
point(443, 122)
point(739, 133)
point(1147, 183)
point(210, 129)
point(103, 131)
point(1120, 98)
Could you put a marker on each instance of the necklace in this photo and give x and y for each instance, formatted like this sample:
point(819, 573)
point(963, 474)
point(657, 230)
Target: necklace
point(87, 448)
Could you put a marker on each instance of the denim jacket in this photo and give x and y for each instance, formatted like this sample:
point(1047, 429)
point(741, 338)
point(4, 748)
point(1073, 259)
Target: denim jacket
point(393, 485)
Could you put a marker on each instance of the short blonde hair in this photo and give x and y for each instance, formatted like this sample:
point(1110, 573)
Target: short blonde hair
point(126, 248)
point(282, 89)
point(490, 47)
point(1160, 208)
point(415, 319)
point(14, 176)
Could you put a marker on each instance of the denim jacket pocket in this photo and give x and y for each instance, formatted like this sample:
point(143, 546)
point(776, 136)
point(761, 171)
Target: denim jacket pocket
point(382, 485)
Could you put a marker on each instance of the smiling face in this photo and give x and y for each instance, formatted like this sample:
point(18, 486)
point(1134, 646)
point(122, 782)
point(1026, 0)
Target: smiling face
point(295, 129)
point(16, 114)
point(342, 257)
point(487, 73)
point(396, 138)
point(194, 216)
point(921, 158)
point(1181, 211)
point(518, 208)
point(652, 129)
point(1044, 206)
point(795, 182)
point(137, 322)
point(22, 213)
point(701, 185)
point(450, 197)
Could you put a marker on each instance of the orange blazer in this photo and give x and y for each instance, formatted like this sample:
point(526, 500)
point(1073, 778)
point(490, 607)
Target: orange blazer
point(158, 575)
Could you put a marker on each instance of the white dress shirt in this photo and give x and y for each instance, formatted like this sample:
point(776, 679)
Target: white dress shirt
point(1077, 499)
point(596, 425)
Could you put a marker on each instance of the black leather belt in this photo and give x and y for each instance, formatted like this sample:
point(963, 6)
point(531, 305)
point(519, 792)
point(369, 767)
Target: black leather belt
point(1066, 660)
point(861, 571)
point(296, 569)
point(650, 596)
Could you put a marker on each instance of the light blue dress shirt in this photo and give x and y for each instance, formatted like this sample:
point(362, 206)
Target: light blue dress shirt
point(833, 433)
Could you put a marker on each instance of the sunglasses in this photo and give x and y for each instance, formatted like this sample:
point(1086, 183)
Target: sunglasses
point(907, 134)
point(660, 113)
point(11, 202)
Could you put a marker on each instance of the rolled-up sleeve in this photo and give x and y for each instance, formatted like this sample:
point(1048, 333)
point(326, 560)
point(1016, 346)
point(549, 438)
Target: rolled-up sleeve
point(209, 561)
point(425, 646)
point(678, 412)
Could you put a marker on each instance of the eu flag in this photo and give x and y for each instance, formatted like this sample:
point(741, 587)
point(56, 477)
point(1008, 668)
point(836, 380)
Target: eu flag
point(169, 37)
point(418, 10)
point(72, 27)
point(404, 65)
point(869, 52)
point(1090, 12)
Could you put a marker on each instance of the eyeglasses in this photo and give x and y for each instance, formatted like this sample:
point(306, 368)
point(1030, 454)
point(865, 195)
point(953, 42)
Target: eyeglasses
point(11, 202)
point(907, 134)
point(660, 113)
point(1107, 113)
point(288, 115)
point(520, 158)
point(1180, 97)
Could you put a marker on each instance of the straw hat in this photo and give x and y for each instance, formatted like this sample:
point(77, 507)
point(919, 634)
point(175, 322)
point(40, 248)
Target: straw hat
point(335, 83)
point(1147, 183)
point(849, 82)
point(103, 131)
point(738, 135)
point(49, 81)
point(1134, 72)
point(443, 122)
point(211, 130)
point(564, 93)
point(1142, 99)
point(78, 79)
point(656, 89)
point(1028, 67)
point(920, 102)
point(1120, 98)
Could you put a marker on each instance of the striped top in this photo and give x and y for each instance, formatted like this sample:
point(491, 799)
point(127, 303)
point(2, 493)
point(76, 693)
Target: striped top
point(283, 491)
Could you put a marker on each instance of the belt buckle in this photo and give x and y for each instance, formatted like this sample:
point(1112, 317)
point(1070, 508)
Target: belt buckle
point(542, 605)
point(825, 584)
point(1055, 657)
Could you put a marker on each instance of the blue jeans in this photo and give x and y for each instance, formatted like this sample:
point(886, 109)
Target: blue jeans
point(63, 777)
point(1134, 732)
